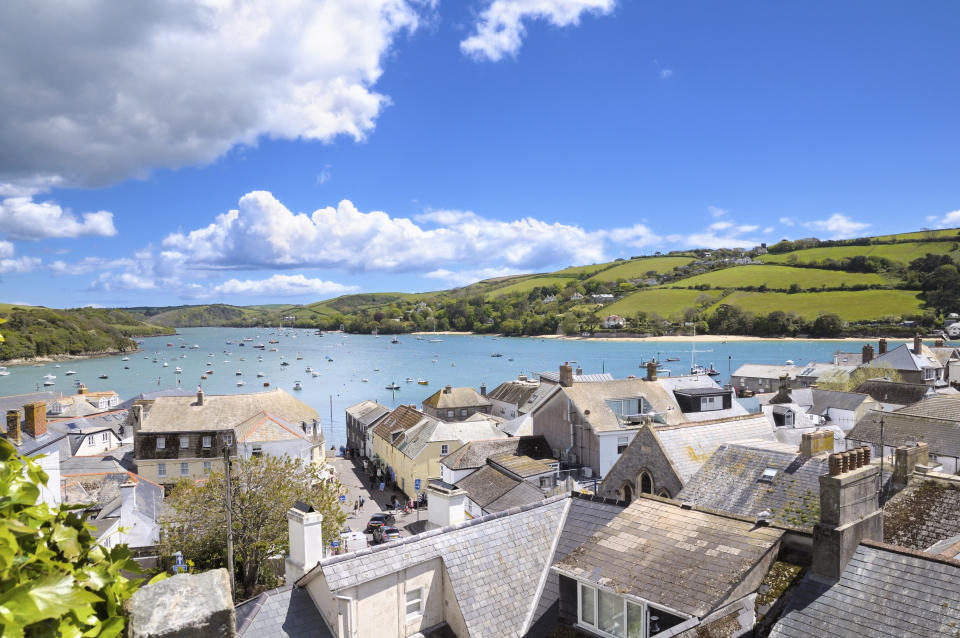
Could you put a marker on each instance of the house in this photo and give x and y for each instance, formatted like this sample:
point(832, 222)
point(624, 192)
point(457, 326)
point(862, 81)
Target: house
point(891, 395)
point(923, 516)
point(934, 421)
point(795, 412)
point(507, 399)
point(760, 378)
point(456, 404)
point(97, 433)
point(489, 490)
point(473, 455)
point(83, 403)
point(549, 299)
point(916, 363)
point(123, 508)
point(602, 298)
point(576, 296)
point(182, 437)
point(361, 419)
point(662, 458)
point(614, 321)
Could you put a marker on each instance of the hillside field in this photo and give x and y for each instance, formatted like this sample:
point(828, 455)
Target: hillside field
point(782, 277)
point(855, 305)
point(524, 286)
point(637, 268)
point(666, 302)
point(901, 253)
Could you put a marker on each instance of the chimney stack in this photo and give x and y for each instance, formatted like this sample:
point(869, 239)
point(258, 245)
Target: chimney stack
point(816, 442)
point(36, 419)
point(82, 390)
point(938, 343)
point(128, 505)
point(867, 353)
point(13, 427)
point(651, 371)
point(917, 344)
point(566, 375)
point(304, 526)
point(882, 346)
point(199, 396)
point(849, 511)
point(136, 417)
point(579, 371)
point(483, 389)
point(906, 459)
point(447, 389)
point(783, 392)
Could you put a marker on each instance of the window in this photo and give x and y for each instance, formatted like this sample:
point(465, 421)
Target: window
point(184, 469)
point(444, 449)
point(257, 450)
point(463, 412)
point(928, 373)
point(588, 601)
point(449, 413)
point(414, 602)
point(162, 469)
point(768, 475)
point(206, 441)
point(228, 439)
point(711, 403)
point(105, 437)
point(613, 615)
point(622, 443)
point(207, 467)
point(546, 482)
point(610, 613)
point(184, 442)
point(90, 440)
point(161, 443)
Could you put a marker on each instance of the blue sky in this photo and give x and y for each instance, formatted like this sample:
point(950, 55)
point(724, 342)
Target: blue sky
point(262, 152)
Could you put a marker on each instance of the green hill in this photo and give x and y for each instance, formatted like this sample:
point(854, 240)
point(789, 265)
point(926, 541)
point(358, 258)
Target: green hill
point(782, 277)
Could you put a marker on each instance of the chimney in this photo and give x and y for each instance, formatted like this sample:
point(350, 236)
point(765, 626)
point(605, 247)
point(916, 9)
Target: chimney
point(128, 505)
point(82, 390)
point(783, 392)
point(579, 371)
point(483, 389)
point(882, 346)
point(447, 390)
point(917, 344)
point(306, 540)
point(938, 343)
point(13, 427)
point(906, 459)
point(816, 442)
point(445, 505)
point(849, 512)
point(566, 375)
point(199, 396)
point(867, 353)
point(36, 419)
point(136, 417)
point(651, 371)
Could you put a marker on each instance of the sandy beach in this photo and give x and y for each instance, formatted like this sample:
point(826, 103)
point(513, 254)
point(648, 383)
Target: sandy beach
point(712, 339)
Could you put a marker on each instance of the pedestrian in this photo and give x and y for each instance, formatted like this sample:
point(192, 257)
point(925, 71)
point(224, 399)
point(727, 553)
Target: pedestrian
point(356, 507)
point(362, 501)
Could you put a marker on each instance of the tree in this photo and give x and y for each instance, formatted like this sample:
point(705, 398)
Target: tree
point(828, 325)
point(264, 488)
point(846, 383)
point(55, 580)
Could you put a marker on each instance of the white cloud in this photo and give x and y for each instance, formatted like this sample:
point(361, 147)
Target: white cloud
point(263, 233)
point(19, 265)
point(838, 225)
point(6, 249)
point(500, 29)
point(445, 217)
point(636, 236)
point(717, 212)
point(325, 175)
point(665, 73)
point(87, 265)
point(467, 277)
point(950, 220)
point(767, 230)
point(110, 281)
point(278, 286)
point(725, 233)
point(135, 86)
point(23, 218)
point(786, 221)
point(720, 225)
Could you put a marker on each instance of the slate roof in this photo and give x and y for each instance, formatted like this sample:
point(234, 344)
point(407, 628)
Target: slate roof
point(884, 591)
point(79, 428)
point(412, 442)
point(177, 391)
point(401, 419)
point(689, 445)
point(17, 401)
point(488, 484)
point(732, 481)
point(520, 465)
point(903, 358)
point(366, 412)
point(222, 411)
point(286, 612)
point(475, 453)
point(448, 398)
point(923, 514)
point(513, 392)
point(893, 391)
point(683, 559)
point(823, 400)
point(554, 377)
point(942, 436)
point(519, 426)
point(522, 494)
point(946, 408)
point(589, 399)
point(494, 563)
point(944, 354)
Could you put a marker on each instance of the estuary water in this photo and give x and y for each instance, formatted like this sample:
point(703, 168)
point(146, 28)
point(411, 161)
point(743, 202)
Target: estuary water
point(356, 367)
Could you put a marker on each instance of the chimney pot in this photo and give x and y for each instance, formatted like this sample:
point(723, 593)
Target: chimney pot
point(917, 344)
point(483, 389)
point(199, 396)
point(882, 346)
point(566, 375)
point(834, 464)
point(867, 353)
point(866, 454)
point(13, 426)
point(36, 419)
point(579, 370)
point(651, 371)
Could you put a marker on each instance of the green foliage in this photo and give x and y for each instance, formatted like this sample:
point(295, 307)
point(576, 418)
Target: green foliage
point(845, 383)
point(264, 488)
point(54, 579)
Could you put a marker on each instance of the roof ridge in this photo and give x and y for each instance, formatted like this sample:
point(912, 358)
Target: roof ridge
point(915, 553)
point(726, 419)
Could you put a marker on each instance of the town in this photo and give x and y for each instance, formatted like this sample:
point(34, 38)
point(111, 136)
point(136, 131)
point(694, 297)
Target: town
point(567, 501)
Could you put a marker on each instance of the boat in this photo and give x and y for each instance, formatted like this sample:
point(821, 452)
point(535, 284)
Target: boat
point(419, 338)
point(422, 382)
point(273, 341)
point(170, 345)
point(266, 384)
point(69, 372)
point(4, 372)
point(209, 371)
point(241, 382)
point(297, 385)
point(315, 374)
point(126, 367)
point(274, 350)
point(248, 338)
point(395, 340)
point(49, 382)
point(495, 354)
point(203, 376)
point(166, 365)
point(393, 386)
point(239, 372)
point(309, 369)
point(673, 358)
point(260, 346)
point(435, 340)
point(376, 369)
point(299, 356)
point(711, 371)
point(102, 376)
point(284, 363)
point(195, 347)
point(49, 377)
point(364, 380)
point(260, 374)
point(57, 366)
point(409, 380)
point(178, 370)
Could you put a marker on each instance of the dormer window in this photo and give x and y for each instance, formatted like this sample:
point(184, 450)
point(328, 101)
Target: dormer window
point(161, 443)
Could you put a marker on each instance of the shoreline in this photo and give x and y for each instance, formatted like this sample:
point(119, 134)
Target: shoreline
point(714, 339)
point(56, 358)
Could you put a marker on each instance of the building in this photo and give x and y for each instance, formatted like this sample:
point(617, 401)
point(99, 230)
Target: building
point(760, 378)
point(361, 418)
point(662, 458)
point(891, 395)
point(456, 404)
point(507, 399)
point(474, 454)
point(602, 298)
point(489, 490)
point(614, 321)
point(183, 437)
point(123, 508)
point(916, 363)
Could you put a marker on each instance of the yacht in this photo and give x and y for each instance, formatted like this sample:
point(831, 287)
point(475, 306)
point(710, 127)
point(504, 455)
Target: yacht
point(102, 376)
point(408, 380)
point(166, 365)
point(423, 382)
point(241, 382)
point(69, 372)
point(315, 374)
point(260, 374)
point(178, 370)
point(49, 382)
point(395, 340)
point(309, 369)
point(239, 372)
point(364, 380)
point(284, 363)
point(49, 377)
point(297, 385)
point(6, 373)
point(393, 386)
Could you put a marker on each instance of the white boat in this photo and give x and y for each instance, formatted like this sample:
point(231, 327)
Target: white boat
point(49, 377)
point(435, 340)
point(241, 382)
point(166, 365)
point(125, 359)
point(309, 369)
point(297, 385)
point(260, 374)
point(194, 347)
point(178, 370)
point(393, 386)
point(48, 382)
point(409, 379)
point(69, 372)
point(364, 380)
point(315, 374)
point(239, 372)
point(6, 373)
point(57, 366)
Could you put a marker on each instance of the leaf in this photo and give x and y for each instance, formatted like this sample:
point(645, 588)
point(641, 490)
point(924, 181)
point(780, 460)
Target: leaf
point(66, 539)
point(49, 597)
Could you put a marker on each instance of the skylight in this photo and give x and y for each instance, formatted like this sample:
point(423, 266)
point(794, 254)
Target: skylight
point(769, 474)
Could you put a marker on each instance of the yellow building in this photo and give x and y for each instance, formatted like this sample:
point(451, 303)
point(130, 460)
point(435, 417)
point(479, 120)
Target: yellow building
point(409, 444)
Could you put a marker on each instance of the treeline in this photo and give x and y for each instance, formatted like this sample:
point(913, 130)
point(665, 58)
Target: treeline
point(37, 332)
point(786, 245)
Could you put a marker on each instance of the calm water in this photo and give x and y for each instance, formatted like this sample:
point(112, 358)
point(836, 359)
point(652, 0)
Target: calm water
point(457, 360)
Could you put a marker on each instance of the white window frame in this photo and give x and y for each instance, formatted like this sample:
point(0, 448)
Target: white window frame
point(161, 469)
point(450, 413)
point(595, 627)
point(622, 442)
point(161, 443)
point(463, 412)
point(708, 404)
point(207, 467)
point(90, 440)
point(418, 601)
point(207, 442)
point(184, 469)
point(184, 442)
point(105, 437)
point(228, 439)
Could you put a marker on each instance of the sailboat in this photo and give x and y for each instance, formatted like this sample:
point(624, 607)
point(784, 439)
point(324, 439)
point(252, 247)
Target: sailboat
point(694, 368)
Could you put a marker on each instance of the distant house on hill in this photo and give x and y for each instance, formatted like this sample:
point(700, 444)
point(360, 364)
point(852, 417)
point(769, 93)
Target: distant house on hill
point(614, 321)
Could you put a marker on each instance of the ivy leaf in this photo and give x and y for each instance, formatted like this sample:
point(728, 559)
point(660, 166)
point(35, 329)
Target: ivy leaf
point(50, 597)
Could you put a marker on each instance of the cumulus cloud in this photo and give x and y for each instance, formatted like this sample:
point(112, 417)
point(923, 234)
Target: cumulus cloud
point(717, 212)
point(133, 86)
point(19, 265)
point(724, 233)
point(23, 218)
point(500, 29)
point(786, 221)
point(6, 249)
point(277, 285)
point(445, 217)
point(87, 265)
point(950, 220)
point(838, 225)
point(636, 236)
point(263, 233)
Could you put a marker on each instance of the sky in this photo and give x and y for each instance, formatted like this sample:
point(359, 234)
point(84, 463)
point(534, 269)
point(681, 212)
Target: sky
point(197, 151)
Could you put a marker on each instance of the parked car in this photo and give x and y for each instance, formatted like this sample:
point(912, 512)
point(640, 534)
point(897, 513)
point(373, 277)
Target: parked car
point(385, 533)
point(379, 520)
